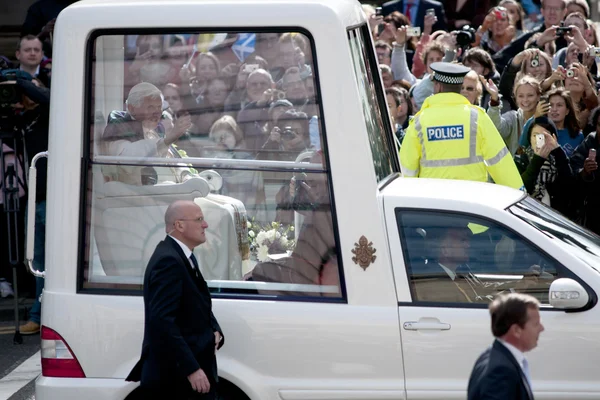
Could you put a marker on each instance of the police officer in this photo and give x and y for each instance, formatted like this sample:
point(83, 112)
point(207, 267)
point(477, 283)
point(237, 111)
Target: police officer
point(453, 139)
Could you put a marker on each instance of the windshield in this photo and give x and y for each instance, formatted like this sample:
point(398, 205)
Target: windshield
point(581, 242)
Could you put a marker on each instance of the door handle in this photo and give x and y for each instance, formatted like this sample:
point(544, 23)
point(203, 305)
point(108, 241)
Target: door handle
point(426, 326)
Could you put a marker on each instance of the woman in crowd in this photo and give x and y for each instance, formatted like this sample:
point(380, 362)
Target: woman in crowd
point(532, 62)
point(581, 86)
point(247, 186)
point(544, 166)
point(496, 32)
point(206, 68)
point(517, 14)
point(212, 106)
point(563, 113)
point(527, 94)
point(400, 108)
point(584, 162)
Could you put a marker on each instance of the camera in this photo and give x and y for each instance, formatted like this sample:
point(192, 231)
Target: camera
point(413, 31)
point(562, 29)
point(595, 52)
point(289, 132)
point(535, 61)
point(430, 11)
point(570, 73)
point(465, 36)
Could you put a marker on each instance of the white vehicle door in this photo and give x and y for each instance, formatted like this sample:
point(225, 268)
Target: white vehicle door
point(445, 323)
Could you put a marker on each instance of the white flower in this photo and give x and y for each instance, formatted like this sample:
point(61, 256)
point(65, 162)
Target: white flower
point(277, 235)
point(251, 234)
point(248, 225)
point(263, 253)
point(261, 237)
point(284, 241)
point(271, 235)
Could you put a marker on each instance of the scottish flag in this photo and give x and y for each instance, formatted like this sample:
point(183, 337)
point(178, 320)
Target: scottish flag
point(244, 46)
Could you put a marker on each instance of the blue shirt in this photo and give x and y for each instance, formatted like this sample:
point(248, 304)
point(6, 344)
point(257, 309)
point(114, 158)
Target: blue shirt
point(414, 9)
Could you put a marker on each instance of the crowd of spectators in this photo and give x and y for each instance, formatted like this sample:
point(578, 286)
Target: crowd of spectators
point(533, 69)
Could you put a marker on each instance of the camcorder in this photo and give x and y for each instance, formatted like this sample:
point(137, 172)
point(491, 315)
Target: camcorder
point(10, 93)
point(465, 37)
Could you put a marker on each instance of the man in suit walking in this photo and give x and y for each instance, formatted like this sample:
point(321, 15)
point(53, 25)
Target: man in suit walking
point(502, 371)
point(181, 334)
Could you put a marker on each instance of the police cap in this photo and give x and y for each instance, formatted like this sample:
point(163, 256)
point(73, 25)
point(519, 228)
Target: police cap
point(448, 73)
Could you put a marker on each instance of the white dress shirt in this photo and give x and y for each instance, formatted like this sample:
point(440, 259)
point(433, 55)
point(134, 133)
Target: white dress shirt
point(518, 354)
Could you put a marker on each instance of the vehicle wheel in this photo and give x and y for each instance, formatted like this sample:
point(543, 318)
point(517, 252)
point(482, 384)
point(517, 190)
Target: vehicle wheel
point(228, 391)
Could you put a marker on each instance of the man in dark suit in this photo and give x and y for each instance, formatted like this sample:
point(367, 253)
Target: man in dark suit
point(415, 10)
point(181, 334)
point(502, 371)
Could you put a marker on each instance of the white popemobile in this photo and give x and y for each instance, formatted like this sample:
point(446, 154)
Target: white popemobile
point(344, 310)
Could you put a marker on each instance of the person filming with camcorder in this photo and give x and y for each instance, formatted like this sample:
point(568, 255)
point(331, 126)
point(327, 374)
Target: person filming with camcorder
point(25, 113)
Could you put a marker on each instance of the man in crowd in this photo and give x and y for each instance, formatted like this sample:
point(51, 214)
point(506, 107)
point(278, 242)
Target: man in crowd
point(450, 141)
point(142, 131)
point(416, 10)
point(502, 371)
point(29, 53)
point(181, 334)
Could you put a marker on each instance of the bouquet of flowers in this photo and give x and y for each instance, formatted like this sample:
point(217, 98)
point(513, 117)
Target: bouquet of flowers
point(266, 240)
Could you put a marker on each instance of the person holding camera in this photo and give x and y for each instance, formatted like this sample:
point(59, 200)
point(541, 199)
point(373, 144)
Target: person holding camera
point(33, 115)
point(531, 62)
point(289, 138)
point(527, 92)
point(496, 32)
point(553, 12)
point(584, 162)
point(544, 166)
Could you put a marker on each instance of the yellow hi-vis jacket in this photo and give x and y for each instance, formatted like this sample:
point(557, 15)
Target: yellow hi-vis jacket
point(452, 139)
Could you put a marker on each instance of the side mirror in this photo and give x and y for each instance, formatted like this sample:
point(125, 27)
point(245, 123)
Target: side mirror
point(568, 294)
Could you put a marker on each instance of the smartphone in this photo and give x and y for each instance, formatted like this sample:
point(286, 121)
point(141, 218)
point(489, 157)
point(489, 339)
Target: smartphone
point(592, 155)
point(430, 11)
point(380, 29)
point(144, 48)
point(413, 31)
point(378, 12)
point(540, 140)
point(249, 68)
point(580, 58)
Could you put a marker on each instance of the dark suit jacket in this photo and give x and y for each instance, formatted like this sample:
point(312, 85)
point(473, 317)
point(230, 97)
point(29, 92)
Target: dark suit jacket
point(473, 11)
point(398, 5)
point(497, 376)
point(179, 327)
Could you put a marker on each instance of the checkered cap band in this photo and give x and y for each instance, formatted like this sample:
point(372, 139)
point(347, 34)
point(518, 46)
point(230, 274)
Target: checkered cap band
point(447, 79)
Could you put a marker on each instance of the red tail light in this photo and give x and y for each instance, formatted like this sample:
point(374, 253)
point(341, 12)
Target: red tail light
point(58, 359)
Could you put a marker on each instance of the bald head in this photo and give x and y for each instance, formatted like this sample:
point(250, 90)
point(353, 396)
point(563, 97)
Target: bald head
point(185, 222)
point(177, 211)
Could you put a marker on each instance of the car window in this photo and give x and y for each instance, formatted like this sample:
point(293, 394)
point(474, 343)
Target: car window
point(229, 120)
point(459, 258)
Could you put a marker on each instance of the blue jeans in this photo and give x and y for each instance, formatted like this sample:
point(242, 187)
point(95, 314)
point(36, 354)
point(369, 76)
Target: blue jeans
point(39, 256)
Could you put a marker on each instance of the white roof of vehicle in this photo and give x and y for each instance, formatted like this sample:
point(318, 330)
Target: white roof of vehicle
point(212, 13)
point(447, 191)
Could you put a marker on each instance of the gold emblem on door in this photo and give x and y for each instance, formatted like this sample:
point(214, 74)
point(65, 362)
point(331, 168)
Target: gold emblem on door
point(364, 253)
